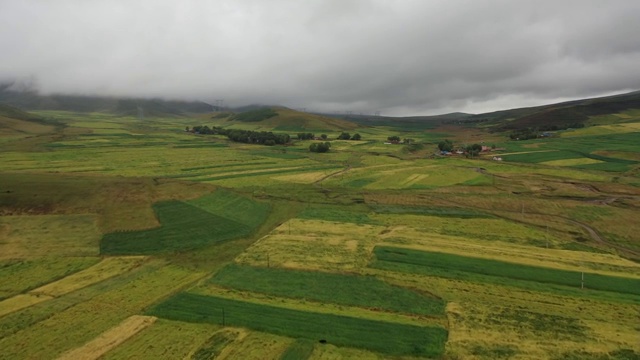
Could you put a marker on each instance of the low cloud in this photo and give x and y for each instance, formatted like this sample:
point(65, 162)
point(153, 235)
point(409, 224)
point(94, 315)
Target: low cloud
point(399, 58)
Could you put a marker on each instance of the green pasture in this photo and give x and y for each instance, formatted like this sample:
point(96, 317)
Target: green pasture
point(190, 226)
point(384, 337)
point(351, 290)
point(579, 147)
point(234, 207)
point(492, 271)
point(356, 215)
point(301, 349)
point(19, 276)
point(50, 328)
point(431, 211)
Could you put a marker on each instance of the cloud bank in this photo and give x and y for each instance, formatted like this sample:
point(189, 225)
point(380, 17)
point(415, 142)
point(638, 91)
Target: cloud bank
point(400, 58)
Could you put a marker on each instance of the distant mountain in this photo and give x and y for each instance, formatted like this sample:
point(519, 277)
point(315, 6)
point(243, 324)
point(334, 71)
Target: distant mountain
point(30, 100)
point(561, 114)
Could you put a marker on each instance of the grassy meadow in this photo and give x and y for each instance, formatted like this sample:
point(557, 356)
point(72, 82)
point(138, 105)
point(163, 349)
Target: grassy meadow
point(129, 238)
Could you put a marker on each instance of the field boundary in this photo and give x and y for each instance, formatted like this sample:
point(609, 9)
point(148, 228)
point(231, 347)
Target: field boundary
point(110, 339)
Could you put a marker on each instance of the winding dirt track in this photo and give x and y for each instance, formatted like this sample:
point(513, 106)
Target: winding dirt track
point(598, 238)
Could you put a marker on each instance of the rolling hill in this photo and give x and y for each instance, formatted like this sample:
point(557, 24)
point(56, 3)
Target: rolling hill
point(559, 115)
point(15, 121)
point(30, 100)
point(562, 114)
point(284, 119)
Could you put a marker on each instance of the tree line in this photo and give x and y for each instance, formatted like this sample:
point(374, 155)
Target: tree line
point(244, 136)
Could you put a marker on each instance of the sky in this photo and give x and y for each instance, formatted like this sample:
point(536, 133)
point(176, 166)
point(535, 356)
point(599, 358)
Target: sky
point(399, 58)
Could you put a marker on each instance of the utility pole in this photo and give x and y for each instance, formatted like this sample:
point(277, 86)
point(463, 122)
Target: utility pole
point(582, 282)
point(547, 236)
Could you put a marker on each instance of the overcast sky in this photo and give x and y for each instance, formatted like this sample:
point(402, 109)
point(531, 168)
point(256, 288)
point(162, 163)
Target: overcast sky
point(396, 57)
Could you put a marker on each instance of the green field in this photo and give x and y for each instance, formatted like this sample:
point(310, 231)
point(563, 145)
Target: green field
point(477, 269)
point(352, 290)
point(19, 276)
point(189, 226)
point(381, 250)
point(385, 337)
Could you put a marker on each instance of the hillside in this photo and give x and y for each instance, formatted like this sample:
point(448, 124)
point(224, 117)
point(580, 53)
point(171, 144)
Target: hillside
point(574, 113)
point(29, 100)
point(284, 119)
point(561, 115)
point(15, 121)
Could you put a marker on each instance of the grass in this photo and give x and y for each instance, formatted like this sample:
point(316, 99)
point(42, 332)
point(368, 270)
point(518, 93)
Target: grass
point(234, 207)
point(351, 290)
point(385, 337)
point(66, 324)
point(493, 271)
point(299, 350)
point(190, 226)
point(214, 345)
point(105, 269)
point(62, 188)
point(169, 340)
point(20, 276)
point(431, 211)
point(337, 214)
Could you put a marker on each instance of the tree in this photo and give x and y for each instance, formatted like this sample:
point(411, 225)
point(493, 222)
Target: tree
point(320, 147)
point(474, 149)
point(323, 136)
point(446, 145)
point(394, 138)
point(344, 136)
point(356, 136)
point(305, 136)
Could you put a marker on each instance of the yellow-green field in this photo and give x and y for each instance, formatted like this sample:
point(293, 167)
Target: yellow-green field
point(566, 204)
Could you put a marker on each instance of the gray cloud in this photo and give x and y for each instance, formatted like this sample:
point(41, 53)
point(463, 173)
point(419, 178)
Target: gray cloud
point(401, 57)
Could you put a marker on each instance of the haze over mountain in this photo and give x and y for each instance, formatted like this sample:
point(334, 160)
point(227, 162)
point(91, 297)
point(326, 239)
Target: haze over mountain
point(399, 58)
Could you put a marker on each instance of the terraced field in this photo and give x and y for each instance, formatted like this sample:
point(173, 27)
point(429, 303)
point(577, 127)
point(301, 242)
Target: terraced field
point(129, 239)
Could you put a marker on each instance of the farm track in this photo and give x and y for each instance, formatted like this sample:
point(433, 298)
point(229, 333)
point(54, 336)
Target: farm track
point(624, 251)
point(319, 181)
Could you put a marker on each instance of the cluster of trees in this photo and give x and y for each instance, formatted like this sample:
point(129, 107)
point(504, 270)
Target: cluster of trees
point(473, 150)
point(446, 145)
point(470, 150)
point(258, 137)
point(320, 147)
point(396, 139)
point(532, 133)
point(347, 136)
point(244, 136)
point(306, 136)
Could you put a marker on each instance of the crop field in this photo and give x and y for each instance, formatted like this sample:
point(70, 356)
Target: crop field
point(129, 238)
point(477, 269)
point(110, 339)
point(62, 324)
point(187, 226)
point(353, 290)
point(399, 339)
point(154, 343)
point(18, 276)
